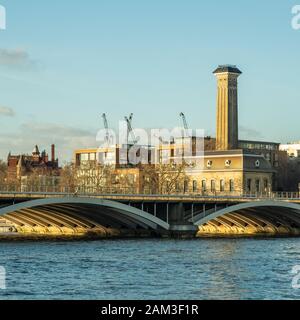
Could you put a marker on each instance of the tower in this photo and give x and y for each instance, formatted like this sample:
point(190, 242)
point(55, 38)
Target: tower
point(227, 107)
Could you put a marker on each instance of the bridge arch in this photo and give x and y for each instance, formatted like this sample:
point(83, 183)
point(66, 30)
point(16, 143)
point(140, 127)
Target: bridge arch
point(85, 213)
point(260, 216)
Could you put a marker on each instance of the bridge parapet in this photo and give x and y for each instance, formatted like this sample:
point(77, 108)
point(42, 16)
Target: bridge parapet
point(287, 196)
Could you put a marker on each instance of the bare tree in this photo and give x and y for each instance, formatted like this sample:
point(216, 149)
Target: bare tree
point(92, 176)
point(3, 172)
point(68, 178)
point(165, 178)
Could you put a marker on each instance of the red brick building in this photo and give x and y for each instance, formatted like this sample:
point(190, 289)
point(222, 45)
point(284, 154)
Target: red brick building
point(20, 166)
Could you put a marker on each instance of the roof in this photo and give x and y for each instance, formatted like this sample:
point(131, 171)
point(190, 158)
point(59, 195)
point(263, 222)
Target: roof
point(36, 150)
point(227, 68)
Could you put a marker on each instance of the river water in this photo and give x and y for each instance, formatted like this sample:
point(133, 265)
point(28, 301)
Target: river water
point(151, 269)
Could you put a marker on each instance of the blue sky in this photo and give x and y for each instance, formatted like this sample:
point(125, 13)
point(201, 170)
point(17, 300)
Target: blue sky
point(63, 63)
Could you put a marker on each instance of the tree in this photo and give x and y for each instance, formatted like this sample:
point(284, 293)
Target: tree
point(165, 178)
point(3, 172)
point(92, 176)
point(68, 179)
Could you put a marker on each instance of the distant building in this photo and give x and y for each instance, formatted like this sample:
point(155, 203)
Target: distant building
point(122, 176)
point(25, 168)
point(292, 149)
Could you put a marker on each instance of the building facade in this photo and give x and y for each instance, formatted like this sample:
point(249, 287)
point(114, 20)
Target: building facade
point(36, 169)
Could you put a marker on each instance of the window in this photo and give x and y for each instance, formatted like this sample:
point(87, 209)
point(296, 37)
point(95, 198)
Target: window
point(204, 185)
point(92, 156)
point(195, 186)
point(266, 185)
point(248, 187)
point(186, 186)
point(84, 157)
point(231, 185)
point(222, 185)
point(213, 185)
point(257, 185)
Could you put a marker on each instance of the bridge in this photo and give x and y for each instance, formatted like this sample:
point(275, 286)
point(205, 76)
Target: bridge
point(162, 215)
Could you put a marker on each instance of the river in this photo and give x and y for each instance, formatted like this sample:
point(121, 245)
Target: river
point(151, 269)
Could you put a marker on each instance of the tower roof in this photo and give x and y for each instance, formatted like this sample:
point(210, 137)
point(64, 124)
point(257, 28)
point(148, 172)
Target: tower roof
point(36, 150)
point(227, 68)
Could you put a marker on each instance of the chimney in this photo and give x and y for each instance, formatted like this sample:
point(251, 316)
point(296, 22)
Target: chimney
point(53, 154)
point(227, 107)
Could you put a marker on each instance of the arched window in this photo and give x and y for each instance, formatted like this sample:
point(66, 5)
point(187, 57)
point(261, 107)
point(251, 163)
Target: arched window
point(203, 185)
point(213, 185)
point(222, 185)
point(195, 186)
point(186, 186)
point(266, 185)
point(257, 185)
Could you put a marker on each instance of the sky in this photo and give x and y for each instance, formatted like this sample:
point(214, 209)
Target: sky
point(63, 63)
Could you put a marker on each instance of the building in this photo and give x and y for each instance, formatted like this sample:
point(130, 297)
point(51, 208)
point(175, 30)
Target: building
point(228, 165)
point(292, 165)
point(227, 107)
point(34, 169)
point(109, 170)
point(292, 149)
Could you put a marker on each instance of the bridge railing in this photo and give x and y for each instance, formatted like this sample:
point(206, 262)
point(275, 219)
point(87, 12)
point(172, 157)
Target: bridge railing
point(88, 192)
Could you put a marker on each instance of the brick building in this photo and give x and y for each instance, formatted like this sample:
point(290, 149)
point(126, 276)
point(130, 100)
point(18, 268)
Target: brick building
point(21, 168)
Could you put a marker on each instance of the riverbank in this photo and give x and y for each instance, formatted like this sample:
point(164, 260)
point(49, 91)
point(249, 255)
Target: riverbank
point(18, 237)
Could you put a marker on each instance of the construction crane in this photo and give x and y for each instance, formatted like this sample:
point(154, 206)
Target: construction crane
point(107, 136)
point(185, 124)
point(130, 130)
point(130, 118)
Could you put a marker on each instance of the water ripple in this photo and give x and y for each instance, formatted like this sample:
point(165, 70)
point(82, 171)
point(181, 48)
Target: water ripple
point(151, 269)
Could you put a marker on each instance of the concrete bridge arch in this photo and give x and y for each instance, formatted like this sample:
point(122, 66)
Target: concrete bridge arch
point(252, 217)
point(79, 214)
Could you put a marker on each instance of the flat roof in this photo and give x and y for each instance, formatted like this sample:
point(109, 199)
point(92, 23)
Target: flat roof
point(259, 142)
